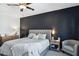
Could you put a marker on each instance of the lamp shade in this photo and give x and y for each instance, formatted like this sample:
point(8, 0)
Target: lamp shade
point(53, 31)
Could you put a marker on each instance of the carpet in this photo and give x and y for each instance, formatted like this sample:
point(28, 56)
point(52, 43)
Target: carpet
point(55, 53)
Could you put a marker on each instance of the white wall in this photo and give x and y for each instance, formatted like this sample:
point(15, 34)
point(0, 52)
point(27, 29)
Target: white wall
point(9, 18)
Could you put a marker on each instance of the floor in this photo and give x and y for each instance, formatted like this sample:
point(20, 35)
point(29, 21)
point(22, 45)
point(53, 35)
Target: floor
point(56, 53)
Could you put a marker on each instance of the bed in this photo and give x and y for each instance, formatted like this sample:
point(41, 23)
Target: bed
point(27, 46)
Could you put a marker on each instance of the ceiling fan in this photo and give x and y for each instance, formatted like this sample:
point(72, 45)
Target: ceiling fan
point(22, 6)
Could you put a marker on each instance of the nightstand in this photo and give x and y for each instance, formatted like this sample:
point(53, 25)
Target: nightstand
point(55, 44)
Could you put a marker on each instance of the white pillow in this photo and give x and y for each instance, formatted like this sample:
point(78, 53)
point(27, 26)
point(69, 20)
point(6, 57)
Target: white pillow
point(41, 36)
point(35, 37)
point(31, 35)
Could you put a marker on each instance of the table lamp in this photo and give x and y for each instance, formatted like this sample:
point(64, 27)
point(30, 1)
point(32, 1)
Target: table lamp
point(54, 34)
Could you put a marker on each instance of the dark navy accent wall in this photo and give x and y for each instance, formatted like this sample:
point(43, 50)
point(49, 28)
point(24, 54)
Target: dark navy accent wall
point(64, 21)
point(76, 15)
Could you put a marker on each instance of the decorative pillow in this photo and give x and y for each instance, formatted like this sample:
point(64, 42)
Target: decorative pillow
point(41, 36)
point(35, 37)
point(31, 35)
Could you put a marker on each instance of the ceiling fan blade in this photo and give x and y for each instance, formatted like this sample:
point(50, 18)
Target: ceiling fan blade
point(30, 8)
point(12, 4)
point(28, 3)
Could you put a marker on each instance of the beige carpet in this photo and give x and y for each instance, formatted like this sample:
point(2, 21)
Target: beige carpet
point(55, 53)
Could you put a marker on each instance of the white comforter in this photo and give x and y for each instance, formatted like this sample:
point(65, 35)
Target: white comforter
point(24, 46)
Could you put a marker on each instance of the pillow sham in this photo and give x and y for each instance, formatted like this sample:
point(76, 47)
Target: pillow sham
point(41, 36)
point(31, 35)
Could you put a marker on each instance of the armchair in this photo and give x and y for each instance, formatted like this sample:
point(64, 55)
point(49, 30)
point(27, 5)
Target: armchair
point(71, 47)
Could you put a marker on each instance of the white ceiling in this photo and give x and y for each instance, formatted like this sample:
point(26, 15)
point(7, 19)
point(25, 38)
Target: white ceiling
point(46, 7)
point(39, 8)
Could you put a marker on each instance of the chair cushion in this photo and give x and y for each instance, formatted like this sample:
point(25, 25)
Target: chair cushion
point(69, 48)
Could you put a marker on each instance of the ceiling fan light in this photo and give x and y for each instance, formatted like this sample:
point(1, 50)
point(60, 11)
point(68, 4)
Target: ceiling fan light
point(22, 7)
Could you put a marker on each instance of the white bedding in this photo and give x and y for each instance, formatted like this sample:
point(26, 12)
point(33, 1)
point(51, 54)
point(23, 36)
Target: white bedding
point(6, 47)
point(24, 46)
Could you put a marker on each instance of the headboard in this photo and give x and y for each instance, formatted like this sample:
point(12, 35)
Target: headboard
point(43, 31)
